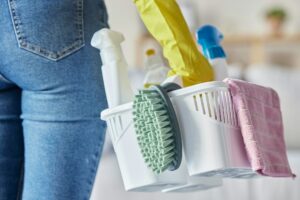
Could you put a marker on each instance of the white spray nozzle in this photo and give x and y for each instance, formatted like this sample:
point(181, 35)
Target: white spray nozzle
point(106, 38)
point(109, 42)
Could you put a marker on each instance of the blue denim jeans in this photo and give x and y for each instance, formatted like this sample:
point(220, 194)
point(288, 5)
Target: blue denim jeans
point(51, 94)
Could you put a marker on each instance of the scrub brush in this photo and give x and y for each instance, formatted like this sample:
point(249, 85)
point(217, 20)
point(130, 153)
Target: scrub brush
point(157, 128)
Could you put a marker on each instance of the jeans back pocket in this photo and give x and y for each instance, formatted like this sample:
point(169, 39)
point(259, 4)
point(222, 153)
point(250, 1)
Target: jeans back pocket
point(50, 28)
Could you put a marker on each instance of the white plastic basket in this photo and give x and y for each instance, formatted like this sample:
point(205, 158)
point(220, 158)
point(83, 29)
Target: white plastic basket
point(193, 183)
point(135, 173)
point(212, 141)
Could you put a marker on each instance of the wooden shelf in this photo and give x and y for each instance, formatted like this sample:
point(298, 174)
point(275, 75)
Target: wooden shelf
point(248, 39)
point(258, 51)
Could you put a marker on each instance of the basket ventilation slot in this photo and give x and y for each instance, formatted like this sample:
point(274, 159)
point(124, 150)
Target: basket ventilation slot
point(116, 127)
point(216, 105)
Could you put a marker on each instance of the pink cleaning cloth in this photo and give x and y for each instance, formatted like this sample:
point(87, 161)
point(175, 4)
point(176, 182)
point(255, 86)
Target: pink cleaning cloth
point(259, 116)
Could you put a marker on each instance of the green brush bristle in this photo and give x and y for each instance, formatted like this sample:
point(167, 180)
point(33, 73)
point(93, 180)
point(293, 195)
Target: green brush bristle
point(154, 131)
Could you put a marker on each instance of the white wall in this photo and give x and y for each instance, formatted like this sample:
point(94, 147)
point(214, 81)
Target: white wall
point(123, 17)
point(231, 16)
point(245, 16)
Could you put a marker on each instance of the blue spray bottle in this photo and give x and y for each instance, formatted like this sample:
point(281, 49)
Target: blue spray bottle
point(209, 37)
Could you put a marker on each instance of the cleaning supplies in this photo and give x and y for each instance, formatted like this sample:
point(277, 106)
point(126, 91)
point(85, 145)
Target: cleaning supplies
point(156, 70)
point(174, 79)
point(114, 68)
point(136, 175)
point(209, 37)
point(193, 183)
point(165, 22)
point(259, 115)
point(157, 129)
point(196, 184)
point(212, 140)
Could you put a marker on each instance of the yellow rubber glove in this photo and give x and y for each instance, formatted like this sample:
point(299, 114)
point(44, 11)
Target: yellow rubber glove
point(166, 23)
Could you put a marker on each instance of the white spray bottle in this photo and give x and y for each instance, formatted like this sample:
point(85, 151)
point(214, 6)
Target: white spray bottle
point(114, 67)
point(156, 69)
point(209, 37)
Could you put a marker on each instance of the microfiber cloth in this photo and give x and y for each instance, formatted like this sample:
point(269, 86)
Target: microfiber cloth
point(260, 119)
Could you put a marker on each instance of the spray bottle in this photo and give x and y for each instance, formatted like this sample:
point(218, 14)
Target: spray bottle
point(114, 68)
point(156, 69)
point(209, 37)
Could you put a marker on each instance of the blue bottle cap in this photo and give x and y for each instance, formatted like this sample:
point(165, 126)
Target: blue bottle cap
point(209, 37)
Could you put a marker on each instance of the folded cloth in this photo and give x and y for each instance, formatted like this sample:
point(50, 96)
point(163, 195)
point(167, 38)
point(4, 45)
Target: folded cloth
point(260, 119)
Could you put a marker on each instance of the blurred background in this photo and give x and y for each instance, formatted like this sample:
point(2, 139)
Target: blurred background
point(262, 43)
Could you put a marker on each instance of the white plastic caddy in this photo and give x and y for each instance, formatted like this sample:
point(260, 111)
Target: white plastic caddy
point(212, 141)
point(135, 173)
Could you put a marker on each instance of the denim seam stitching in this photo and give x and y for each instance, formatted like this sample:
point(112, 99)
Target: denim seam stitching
point(55, 56)
point(4, 79)
point(20, 185)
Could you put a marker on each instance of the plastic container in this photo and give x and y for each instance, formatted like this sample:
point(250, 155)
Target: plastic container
point(155, 67)
point(209, 37)
point(135, 173)
point(114, 69)
point(212, 140)
point(173, 79)
point(220, 67)
point(194, 183)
